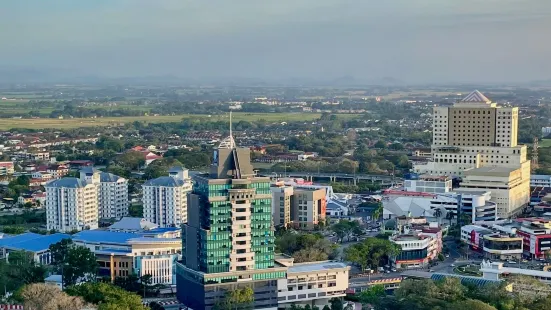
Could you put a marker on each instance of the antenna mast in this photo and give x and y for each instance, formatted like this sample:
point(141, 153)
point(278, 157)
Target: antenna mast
point(535, 147)
point(231, 134)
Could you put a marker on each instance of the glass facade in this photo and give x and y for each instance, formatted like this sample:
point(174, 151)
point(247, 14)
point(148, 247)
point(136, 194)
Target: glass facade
point(216, 219)
point(412, 255)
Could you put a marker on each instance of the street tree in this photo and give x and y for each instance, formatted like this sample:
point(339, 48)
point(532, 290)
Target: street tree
point(371, 252)
point(239, 298)
point(72, 261)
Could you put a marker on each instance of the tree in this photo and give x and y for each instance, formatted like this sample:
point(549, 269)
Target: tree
point(131, 160)
point(372, 294)
point(23, 267)
point(160, 167)
point(336, 303)
point(107, 296)
point(41, 296)
point(380, 144)
point(371, 252)
point(471, 305)
point(239, 298)
point(73, 262)
point(437, 212)
point(345, 228)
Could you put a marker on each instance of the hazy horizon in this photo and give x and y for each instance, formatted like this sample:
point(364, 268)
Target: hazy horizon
point(422, 41)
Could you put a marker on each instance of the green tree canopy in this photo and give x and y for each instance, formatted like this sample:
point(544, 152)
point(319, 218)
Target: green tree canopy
point(107, 296)
point(159, 167)
point(73, 261)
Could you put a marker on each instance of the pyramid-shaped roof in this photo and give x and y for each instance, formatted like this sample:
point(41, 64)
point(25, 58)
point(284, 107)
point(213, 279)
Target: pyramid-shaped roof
point(476, 96)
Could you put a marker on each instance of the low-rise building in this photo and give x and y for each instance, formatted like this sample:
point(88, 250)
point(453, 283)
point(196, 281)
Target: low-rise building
point(540, 180)
point(429, 184)
point(496, 271)
point(6, 168)
point(36, 244)
point(120, 254)
point(502, 246)
point(536, 234)
point(312, 283)
point(417, 248)
point(476, 204)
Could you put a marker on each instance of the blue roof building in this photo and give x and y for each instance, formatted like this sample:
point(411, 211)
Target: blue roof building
point(120, 253)
point(36, 244)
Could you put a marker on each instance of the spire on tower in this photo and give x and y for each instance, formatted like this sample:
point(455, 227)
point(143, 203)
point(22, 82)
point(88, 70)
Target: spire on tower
point(228, 142)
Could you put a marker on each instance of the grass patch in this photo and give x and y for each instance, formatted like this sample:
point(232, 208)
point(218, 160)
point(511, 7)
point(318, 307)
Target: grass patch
point(468, 270)
point(42, 123)
point(544, 143)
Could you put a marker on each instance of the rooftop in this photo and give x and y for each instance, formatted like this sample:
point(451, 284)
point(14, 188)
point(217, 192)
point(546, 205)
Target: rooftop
point(321, 266)
point(164, 181)
point(108, 177)
point(490, 171)
point(32, 242)
point(409, 237)
point(133, 223)
point(67, 182)
point(89, 170)
point(476, 228)
point(476, 96)
point(105, 236)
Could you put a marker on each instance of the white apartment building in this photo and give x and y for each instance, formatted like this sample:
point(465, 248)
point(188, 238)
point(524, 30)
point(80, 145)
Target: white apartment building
point(113, 196)
point(476, 133)
point(165, 198)
point(72, 204)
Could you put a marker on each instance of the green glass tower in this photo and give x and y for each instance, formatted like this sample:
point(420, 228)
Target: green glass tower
point(228, 241)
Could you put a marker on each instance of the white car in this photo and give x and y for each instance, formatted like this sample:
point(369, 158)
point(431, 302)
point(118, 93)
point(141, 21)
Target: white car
point(447, 255)
point(511, 262)
point(453, 265)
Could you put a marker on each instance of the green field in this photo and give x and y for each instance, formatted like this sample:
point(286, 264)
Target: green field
point(9, 123)
point(545, 143)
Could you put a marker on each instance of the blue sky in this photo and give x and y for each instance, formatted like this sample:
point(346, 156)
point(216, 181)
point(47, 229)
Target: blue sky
point(411, 40)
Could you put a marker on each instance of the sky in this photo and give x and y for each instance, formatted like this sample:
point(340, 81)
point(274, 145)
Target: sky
point(415, 41)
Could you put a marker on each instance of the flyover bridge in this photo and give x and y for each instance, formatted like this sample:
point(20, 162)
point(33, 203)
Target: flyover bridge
point(333, 177)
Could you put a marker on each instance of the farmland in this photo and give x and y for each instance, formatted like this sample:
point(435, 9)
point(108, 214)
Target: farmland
point(41, 123)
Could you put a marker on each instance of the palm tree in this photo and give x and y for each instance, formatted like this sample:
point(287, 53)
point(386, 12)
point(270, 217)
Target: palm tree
point(450, 216)
point(438, 214)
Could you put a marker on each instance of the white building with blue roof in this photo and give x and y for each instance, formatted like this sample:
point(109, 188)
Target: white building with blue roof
point(120, 254)
point(33, 243)
point(165, 198)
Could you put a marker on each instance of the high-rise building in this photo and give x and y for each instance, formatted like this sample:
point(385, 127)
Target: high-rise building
point(165, 200)
point(476, 133)
point(281, 204)
point(308, 207)
point(228, 241)
point(72, 204)
point(113, 196)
